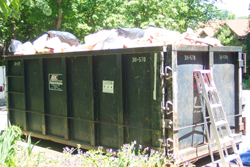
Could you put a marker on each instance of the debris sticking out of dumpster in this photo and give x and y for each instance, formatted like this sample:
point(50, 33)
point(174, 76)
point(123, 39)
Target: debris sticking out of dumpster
point(60, 41)
point(65, 37)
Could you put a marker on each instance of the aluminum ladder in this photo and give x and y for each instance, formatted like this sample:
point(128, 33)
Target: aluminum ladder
point(208, 93)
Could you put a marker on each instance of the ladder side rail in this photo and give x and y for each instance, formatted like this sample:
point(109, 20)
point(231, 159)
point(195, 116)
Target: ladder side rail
point(204, 117)
point(205, 95)
point(211, 97)
point(214, 128)
point(229, 133)
point(214, 110)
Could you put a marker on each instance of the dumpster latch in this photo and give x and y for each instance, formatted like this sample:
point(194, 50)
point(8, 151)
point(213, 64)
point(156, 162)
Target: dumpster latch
point(169, 123)
point(167, 144)
point(167, 107)
point(168, 68)
point(165, 73)
point(169, 140)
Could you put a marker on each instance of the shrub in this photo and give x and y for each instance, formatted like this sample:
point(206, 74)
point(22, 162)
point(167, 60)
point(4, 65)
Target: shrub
point(127, 156)
point(13, 154)
point(7, 145)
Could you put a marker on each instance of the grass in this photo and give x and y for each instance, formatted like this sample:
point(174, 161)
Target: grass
point(12, 154)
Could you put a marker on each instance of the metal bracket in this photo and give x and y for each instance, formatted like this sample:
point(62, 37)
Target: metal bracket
point(167, 104)
point(169, 123)
point(169, 140)
point(166, 72)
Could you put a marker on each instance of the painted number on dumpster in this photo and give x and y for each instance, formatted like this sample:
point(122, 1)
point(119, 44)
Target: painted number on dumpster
point(55, 82)
point(107, 86)
point(223, 57)
point(17, 63)
point(139, 59)
point(189, 57)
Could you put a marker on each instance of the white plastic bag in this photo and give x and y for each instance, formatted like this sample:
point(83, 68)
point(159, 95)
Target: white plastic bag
point(28, 48)
point(39, 43)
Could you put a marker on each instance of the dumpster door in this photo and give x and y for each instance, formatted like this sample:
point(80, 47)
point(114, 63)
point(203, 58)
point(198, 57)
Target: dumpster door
point(189, 110)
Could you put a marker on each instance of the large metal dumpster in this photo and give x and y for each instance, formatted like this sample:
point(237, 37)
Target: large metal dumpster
point(111, 97)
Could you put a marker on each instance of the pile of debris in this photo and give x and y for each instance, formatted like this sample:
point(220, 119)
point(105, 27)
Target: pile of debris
point(60, 41)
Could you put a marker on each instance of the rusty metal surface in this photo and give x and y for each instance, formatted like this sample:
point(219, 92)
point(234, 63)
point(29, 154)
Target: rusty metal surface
point(224, 78)
point(189, 111)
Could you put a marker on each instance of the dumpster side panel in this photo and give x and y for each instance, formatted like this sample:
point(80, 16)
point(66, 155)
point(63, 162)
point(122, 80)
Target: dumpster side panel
point(16, 93)
point(156, 90)
point(140, 94)
point(81, 97)
point(54, 97)
point(15, 68)
point(33, 95)
point(138, 89)
point(14, 87)
point(108, 89)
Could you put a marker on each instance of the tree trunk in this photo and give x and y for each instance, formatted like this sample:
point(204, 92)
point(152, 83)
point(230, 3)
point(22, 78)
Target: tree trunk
point(60, 16)
point(14, 29)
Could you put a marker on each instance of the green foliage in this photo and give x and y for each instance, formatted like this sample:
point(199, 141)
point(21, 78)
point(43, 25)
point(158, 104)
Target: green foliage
point(7, 145)
point(30, 147)
point(6, 5)
point(226, 36)
point(127, 156)
point(16, 154)
point(246, 83)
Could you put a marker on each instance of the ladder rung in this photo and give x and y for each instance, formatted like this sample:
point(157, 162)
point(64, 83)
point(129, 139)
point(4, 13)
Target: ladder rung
point(220, 123)
point(211, 96)
point(231, 157)
point(215, 105)
point(226, 139)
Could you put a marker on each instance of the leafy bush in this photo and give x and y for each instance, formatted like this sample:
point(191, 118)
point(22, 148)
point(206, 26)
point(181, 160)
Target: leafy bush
point(124, 157)
point(13, 154)
point(246, 84)
point(127, 156)
point(7, 145)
